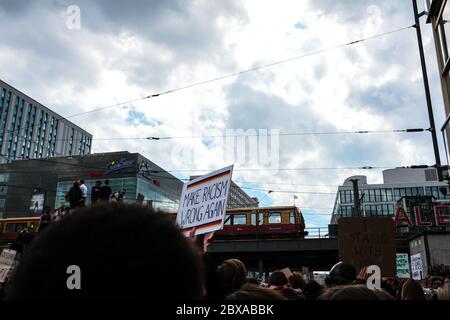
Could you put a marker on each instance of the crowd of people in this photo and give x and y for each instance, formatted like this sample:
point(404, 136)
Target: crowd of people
point(131, 251)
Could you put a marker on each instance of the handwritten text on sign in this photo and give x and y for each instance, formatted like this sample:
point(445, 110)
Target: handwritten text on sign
point(203, 202)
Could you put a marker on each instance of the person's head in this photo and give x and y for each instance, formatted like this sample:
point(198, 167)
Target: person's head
point(436, 282)
point(76, 184)
point(107, 242)
point(341, 274)
point(98, 183)
point(47, 209)
point(140, 198)
point(411, 290)
point(443, 293)
point(384, 294)
point(278, 279)
point(81, 181)
point(447, 280)
point(232, 275)
point(107, 182)
point(253, 292)
point(253, 281)
point(349, 292)
point(62, 205)
point(312, 290)
point(296, 281)
point(388, 286)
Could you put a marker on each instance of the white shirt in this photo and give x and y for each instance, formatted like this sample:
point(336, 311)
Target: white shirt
point(83, 190)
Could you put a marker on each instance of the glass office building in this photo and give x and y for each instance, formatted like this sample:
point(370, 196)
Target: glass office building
point(381, 199)
point(52, 178)
point(29, 130)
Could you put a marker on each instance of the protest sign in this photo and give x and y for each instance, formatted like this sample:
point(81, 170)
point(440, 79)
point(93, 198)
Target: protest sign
point(368, 241)
point(7, 263)
point(402, 265)
point(416, 266)
point(203, 202)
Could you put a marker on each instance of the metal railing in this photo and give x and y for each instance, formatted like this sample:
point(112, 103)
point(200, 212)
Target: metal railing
point(317, 233)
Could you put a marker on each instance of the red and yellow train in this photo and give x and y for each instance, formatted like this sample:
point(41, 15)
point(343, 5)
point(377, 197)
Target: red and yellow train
point(10, 227)
point(270, 222)
point(240, 223)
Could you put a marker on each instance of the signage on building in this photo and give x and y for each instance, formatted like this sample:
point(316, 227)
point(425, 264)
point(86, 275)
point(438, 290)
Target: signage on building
point(368, 241)
point(37, 203)
point(440, 219)
point(144, 168)
point(403, 266)
point(203, 202)
point(119, 166)
point(416, 266)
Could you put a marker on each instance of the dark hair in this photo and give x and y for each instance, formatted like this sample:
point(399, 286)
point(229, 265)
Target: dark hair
point(278, 278)
point(312, 290)
point(232, 275)
point(81, 181)
point(384, 294)
point(253, 292)
point(341, 274)
point(106, 181)
point(411, 290)
point(296, 281)
point(107, 242)
point(351, 292)
point(253, 281)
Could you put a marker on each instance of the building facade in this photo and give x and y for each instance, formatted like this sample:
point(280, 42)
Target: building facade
point(438, 12)
point(29, 130)
point(29, 185)
point(382, 199)
point(238, 198)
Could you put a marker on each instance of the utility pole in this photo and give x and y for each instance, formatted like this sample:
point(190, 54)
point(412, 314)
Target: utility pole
point(356, 204)
point(427, 90)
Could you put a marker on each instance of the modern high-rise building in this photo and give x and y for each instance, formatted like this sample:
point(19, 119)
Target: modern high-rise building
point(29, 130)
point(382, 199)
point(238, 198)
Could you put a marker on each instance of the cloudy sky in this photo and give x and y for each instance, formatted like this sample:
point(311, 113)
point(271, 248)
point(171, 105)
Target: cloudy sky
point(125, 50)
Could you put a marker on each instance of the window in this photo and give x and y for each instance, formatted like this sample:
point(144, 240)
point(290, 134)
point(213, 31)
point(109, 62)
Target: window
point(274, 217)
point(14, 227)
point(239, 219)
point(346, 196)
point(4, 177)
point(292, 217)
point(256, 219)
point(444, 32)
point(2, 203)
point(227, 220)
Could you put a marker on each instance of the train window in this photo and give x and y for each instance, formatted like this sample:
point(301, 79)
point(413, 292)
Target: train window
point(253, 219)
point(14, 227)
point(239, 219)
point(292, 217)
point(274, 217)
point(227, 220)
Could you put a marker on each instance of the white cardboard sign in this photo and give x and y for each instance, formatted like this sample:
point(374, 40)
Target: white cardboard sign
point(203, 202)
